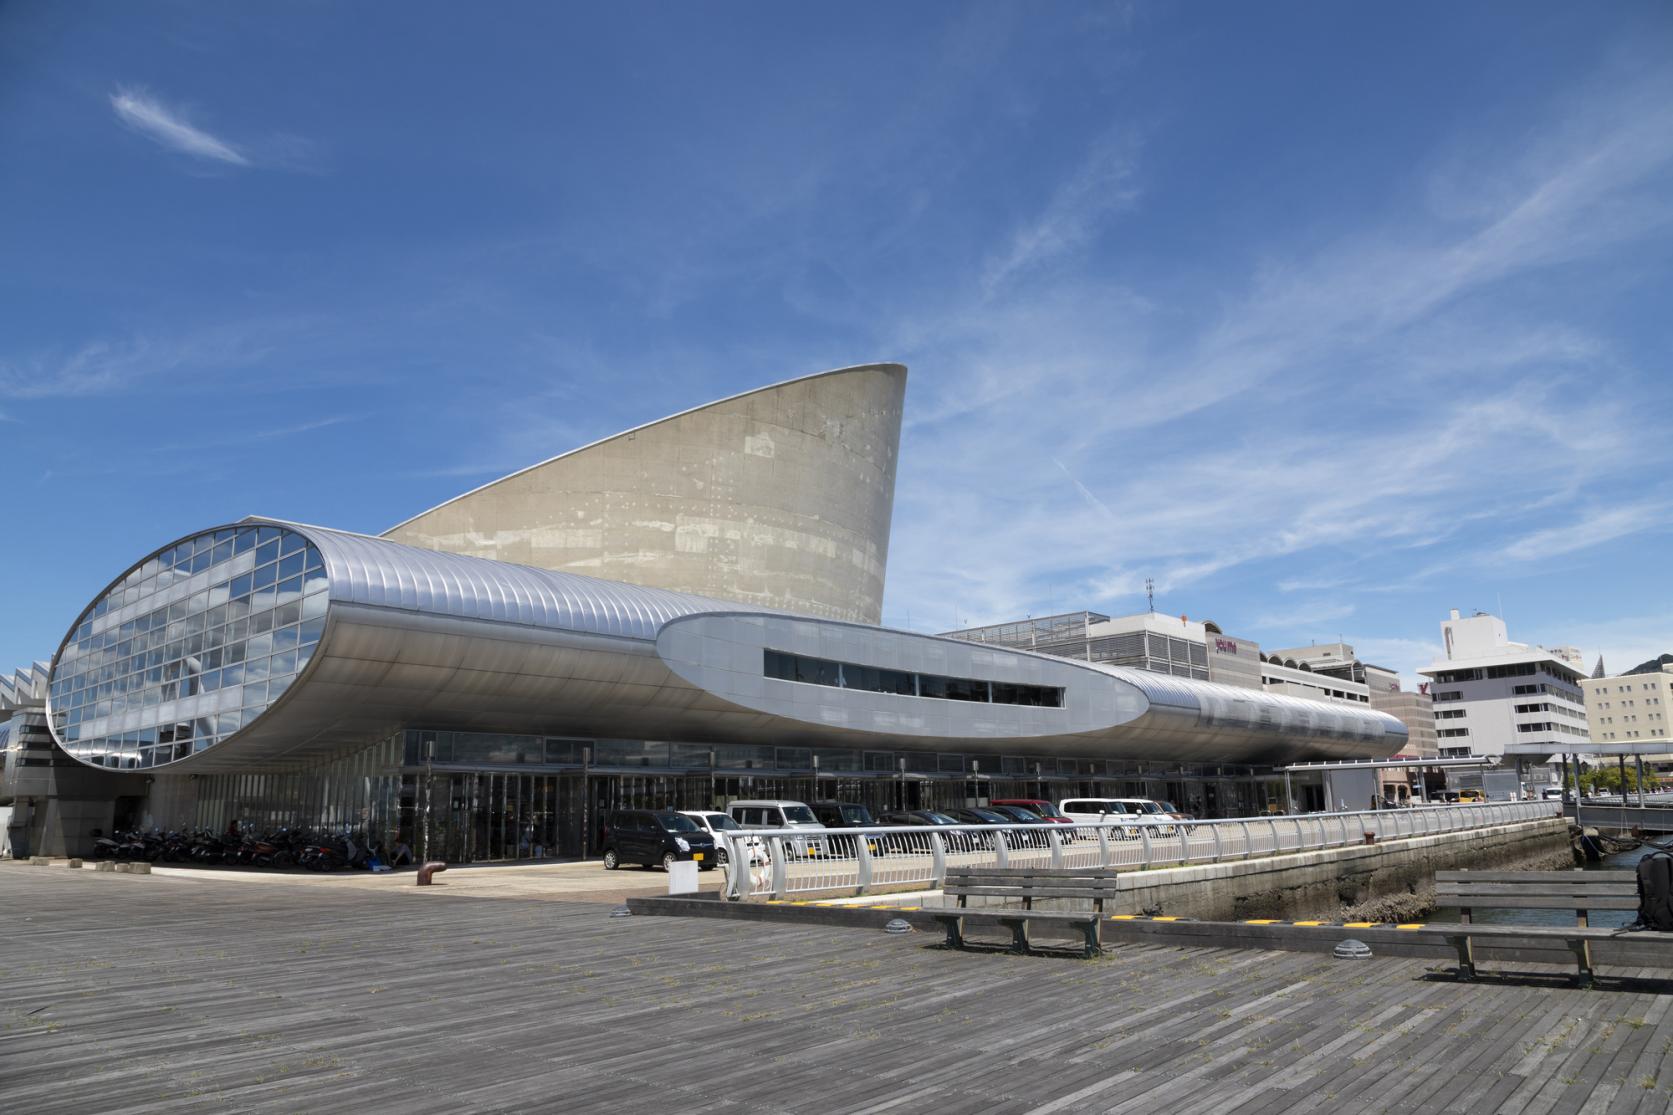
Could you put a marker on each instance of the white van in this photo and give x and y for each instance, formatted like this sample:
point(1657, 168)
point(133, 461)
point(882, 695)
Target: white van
point(779, 815)
point(1132, 811)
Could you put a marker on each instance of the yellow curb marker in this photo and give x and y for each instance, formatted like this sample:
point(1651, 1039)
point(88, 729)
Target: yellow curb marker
point(1164, 919)
point(1307, 923)
point(1261, 921)
point(1411, 925)
point(1359, 925)
point(1124, 917)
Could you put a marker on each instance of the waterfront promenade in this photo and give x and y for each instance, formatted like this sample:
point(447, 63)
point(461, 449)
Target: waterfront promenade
point(198, 994)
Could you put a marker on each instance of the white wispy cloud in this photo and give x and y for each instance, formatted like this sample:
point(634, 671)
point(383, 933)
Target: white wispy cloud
point(150, 117)
point(1105, 183)
point(1367, 395)
point(1593, 527)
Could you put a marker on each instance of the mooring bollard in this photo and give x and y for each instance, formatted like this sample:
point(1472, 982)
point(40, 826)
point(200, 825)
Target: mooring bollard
point(428, 870)
point(1370, 838)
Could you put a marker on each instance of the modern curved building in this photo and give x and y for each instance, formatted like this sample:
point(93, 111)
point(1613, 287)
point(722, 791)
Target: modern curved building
point(278, 673)
point(779, 497)
point(271, 646)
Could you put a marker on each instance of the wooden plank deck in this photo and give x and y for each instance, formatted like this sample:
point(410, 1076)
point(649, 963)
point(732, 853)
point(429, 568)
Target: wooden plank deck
point(136, 994)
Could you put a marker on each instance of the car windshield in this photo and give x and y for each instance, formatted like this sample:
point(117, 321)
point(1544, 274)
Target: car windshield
point(939, 818)
point(719, 821)
point(1168, 807)
point(856, 815)
point(799, 815)
point(1149, 807)
point(1047, 809)
point(674, 822)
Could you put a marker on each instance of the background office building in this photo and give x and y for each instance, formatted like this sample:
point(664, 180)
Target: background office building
point(1490, 693)
point(1162, 644)
point(1633, 707)
point(271, 673)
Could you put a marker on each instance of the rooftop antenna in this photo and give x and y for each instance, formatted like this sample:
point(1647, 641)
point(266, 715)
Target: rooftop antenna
point(1150, 592)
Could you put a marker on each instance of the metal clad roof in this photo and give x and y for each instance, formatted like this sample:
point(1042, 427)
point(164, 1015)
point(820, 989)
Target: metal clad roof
point(1230, 704)
point(377, 572)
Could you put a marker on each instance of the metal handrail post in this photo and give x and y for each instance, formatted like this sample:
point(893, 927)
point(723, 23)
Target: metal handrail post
point(1001, 849)
point(1103, 846)
point(1056, 847)
point(1215, 829)
point(737, 867)
point(776, 855)
point(1248, 840)
point(938, 859)
point(862, 862)
point(1144, 842)
point(1272, 823)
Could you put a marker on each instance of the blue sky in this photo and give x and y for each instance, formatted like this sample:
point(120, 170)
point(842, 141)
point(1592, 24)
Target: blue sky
point(1327, 317)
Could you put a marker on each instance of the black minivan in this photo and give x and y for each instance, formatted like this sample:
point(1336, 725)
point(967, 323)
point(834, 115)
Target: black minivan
point(651, 837)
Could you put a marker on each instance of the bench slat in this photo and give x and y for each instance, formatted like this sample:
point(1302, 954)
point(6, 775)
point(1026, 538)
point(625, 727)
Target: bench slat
point(1506, 902)
point(1542, 892)
point(1535, 876)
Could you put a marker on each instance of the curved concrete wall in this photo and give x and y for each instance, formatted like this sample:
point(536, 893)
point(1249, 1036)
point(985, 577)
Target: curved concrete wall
point(780, 497)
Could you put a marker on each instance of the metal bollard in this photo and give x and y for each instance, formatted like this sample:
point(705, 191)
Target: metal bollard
point(429, 869)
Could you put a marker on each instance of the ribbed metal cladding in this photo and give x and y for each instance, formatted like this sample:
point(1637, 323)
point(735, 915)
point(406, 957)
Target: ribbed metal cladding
point(1277, 711)
point(373, 571)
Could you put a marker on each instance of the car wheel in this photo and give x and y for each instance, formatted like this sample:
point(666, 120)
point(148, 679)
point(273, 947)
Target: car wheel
point(611, 860)
point(720, 857)
point(669, 859)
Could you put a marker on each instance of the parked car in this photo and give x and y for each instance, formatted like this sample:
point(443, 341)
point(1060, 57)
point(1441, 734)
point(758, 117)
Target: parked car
point(1042, 809)
point(778, 814)
point(1129, 811)
point(651, 837)
point(846, 815)
point(931, 818)
point(1031, 837)
point(1553, 793)
point(1014, 837)
point(715, 824)
point(841, 814)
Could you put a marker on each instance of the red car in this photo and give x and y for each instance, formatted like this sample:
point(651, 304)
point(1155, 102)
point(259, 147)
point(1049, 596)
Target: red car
point(1045, 810)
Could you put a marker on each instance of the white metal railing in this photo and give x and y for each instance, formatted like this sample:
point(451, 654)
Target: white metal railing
point(773, 863)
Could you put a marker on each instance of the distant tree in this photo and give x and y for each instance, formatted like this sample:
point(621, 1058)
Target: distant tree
point(1607, 780)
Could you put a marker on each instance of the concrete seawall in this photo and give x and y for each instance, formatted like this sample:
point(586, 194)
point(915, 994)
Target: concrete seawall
point(1319, 883)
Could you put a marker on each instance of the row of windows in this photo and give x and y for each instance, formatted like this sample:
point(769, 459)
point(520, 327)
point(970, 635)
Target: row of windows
point(190, 559)
point(1449, 714)
point(1550, 726)
point(1452, 733)
point(848, 675)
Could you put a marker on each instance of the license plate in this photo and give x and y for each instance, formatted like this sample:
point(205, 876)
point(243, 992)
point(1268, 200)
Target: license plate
point(697, 855)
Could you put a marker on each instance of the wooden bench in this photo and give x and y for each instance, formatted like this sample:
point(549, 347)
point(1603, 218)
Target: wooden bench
point(1026, 885)
point(1579, 891)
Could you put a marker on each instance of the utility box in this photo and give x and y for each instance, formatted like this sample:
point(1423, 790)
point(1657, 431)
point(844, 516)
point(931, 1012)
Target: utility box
point(682, 877)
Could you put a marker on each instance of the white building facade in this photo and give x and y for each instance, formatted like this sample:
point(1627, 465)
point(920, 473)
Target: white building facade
point(1490, 693)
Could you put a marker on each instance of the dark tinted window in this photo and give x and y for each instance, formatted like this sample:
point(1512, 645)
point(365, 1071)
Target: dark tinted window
point(874, 679)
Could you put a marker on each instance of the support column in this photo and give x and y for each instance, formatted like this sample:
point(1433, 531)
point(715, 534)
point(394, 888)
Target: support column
point(1638, 764)
point(1621, 766)
point(1289, 795)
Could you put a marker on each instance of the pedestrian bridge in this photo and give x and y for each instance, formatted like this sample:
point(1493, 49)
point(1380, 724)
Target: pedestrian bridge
point(776, 863)
point(1650, 818)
